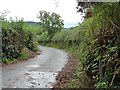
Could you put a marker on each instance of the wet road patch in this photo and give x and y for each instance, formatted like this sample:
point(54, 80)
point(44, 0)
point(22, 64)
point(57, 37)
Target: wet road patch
point(33, 79)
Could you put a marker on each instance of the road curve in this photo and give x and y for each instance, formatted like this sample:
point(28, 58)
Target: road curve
point(39, 72)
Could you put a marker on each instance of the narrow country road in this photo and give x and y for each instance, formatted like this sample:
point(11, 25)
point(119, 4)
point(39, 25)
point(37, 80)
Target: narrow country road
point(39, 72)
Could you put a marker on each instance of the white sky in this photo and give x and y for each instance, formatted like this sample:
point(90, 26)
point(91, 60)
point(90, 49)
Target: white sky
point(28, 9)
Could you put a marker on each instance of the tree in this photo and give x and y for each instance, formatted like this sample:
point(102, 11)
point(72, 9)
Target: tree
point(51, 22)
point(85, 6)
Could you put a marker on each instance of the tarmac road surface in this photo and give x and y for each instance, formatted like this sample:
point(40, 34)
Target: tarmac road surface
point(39, 72)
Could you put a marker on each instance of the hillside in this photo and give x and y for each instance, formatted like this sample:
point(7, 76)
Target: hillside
point(32, 23)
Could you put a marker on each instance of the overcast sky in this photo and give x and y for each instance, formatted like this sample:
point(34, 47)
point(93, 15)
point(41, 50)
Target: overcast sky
point(28, 9)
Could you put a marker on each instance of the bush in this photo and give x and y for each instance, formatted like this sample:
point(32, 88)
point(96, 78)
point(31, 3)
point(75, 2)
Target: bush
point(101, 84)
point(36, 49)
point(24, 53)
point(30, 42)
point(14, 38)
point(8, 60)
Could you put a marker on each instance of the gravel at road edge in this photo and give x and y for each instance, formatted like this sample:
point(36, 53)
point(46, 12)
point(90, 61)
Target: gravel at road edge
point(66, 74)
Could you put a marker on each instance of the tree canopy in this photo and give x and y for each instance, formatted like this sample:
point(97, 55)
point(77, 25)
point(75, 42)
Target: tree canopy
point(51, 22)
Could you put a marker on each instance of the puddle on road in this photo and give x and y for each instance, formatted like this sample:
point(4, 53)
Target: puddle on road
point(33, 79)
point(41, 79)
point(33, 66)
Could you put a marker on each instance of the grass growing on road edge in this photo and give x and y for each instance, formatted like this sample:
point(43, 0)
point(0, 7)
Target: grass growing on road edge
point(75, 81)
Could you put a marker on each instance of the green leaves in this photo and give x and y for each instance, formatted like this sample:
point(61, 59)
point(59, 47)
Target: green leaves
point(112, 49)
point(100, 85)
point(11, 40)
point(16, 36)
point(24, 53)
point(51, 23)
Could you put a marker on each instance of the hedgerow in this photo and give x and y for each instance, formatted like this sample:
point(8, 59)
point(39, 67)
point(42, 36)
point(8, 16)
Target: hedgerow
point(16, 37)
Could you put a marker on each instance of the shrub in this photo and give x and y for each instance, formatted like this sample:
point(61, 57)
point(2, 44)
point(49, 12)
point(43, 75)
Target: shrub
point(24, 53)
point(12, 39)
point(8, 60)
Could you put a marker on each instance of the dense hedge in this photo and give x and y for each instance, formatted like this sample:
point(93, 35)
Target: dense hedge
point(15, 37)
point(12, 39)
